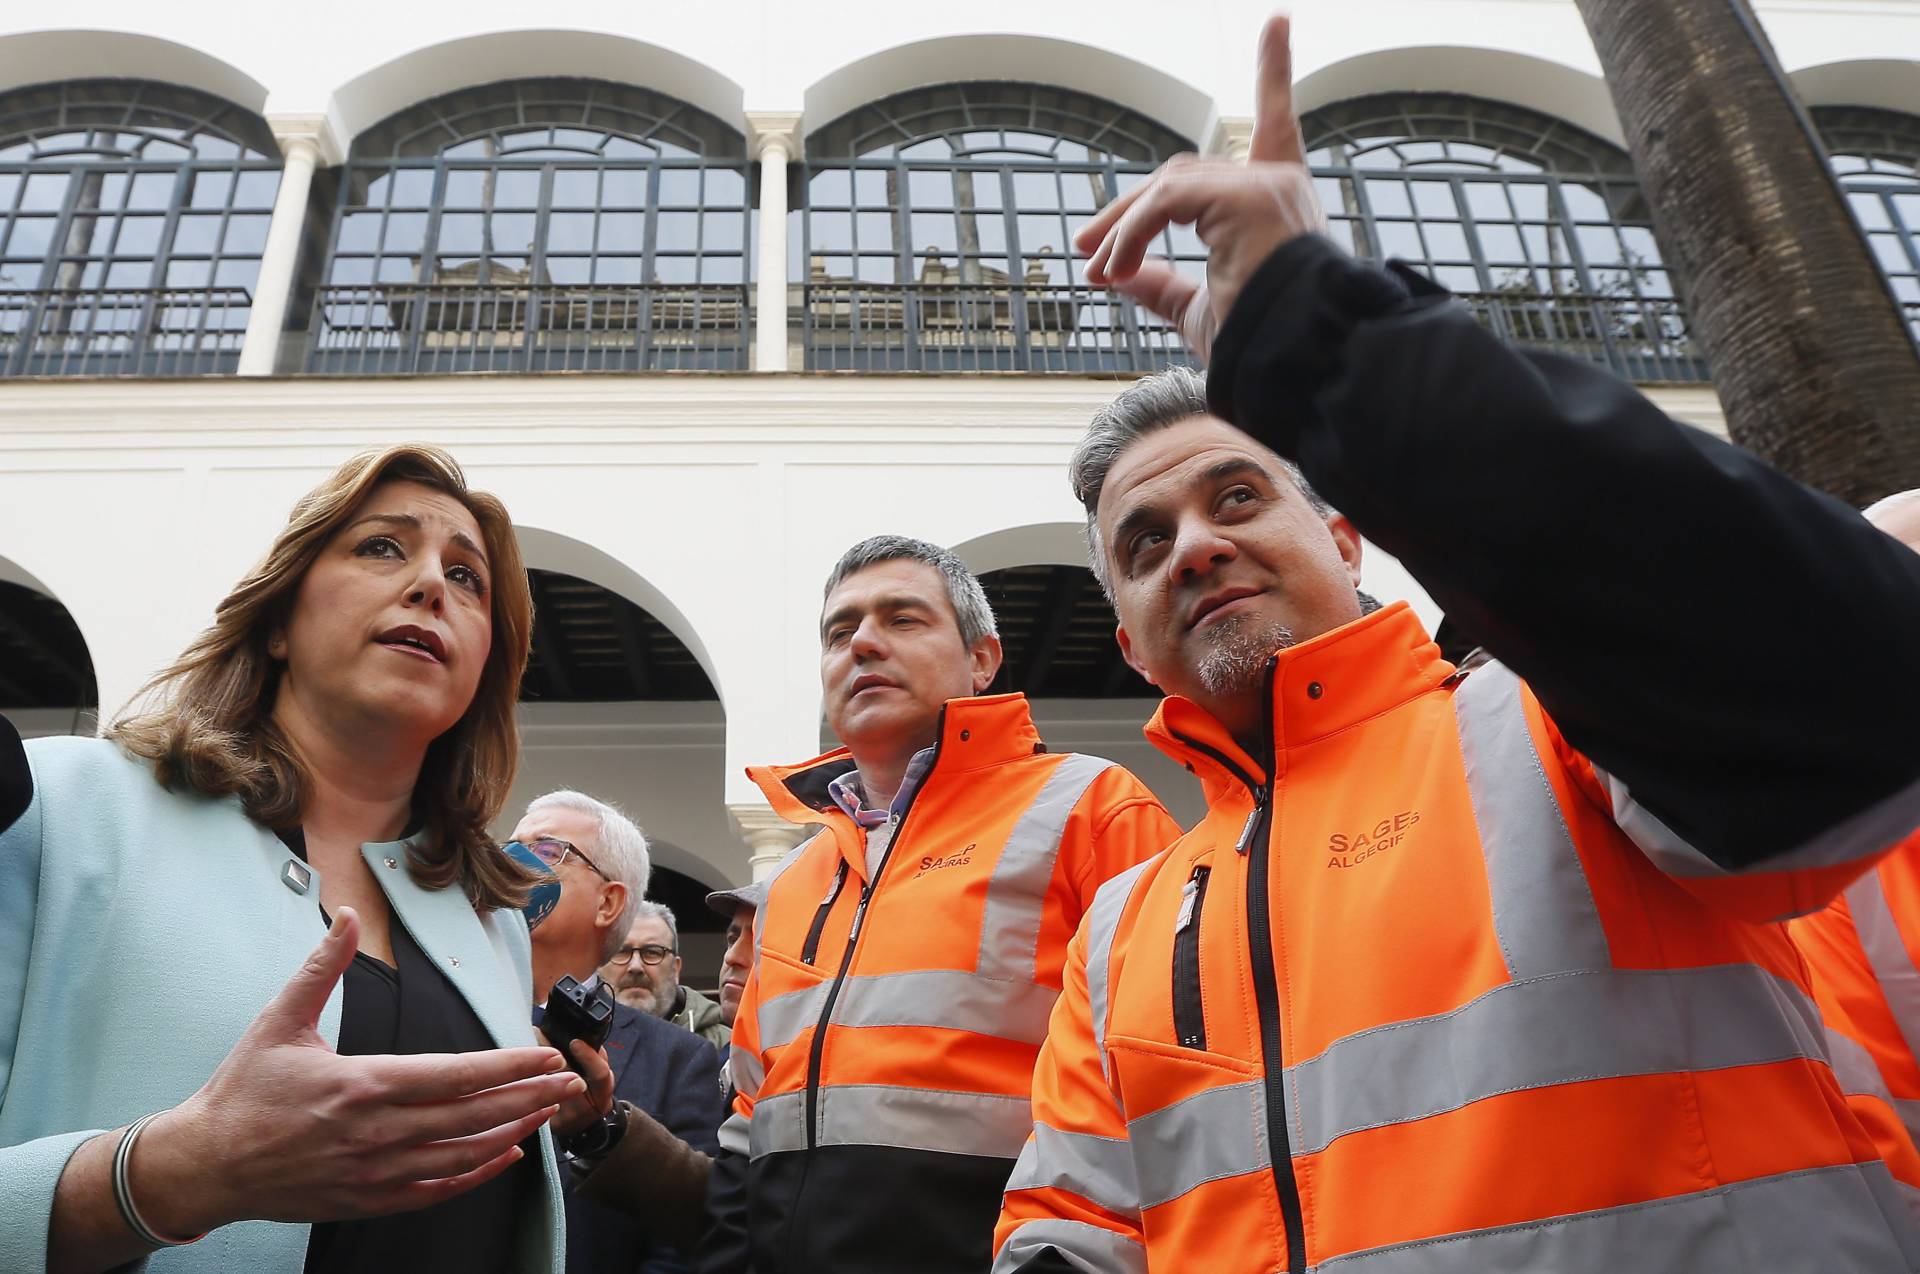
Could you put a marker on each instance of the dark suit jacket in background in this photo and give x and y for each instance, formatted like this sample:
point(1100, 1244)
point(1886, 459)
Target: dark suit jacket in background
point(673, 1075)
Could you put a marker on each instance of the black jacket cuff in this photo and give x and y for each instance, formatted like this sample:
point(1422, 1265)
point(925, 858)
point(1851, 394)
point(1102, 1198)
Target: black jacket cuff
point(1283, 339)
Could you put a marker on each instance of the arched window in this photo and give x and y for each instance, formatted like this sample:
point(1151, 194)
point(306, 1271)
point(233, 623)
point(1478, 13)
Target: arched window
point(539, 224)
point(937, 226)
point(1537, 224)
point(1876, 155)
point(132, 218)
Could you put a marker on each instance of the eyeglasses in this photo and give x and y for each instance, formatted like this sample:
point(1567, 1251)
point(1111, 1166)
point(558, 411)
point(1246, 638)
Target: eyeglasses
point(553, 852)
point(650, 955)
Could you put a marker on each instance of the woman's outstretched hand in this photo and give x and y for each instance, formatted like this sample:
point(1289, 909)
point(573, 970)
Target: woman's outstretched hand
point(289, 1130)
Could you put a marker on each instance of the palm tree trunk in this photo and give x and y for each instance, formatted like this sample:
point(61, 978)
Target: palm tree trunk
point(1812, 359)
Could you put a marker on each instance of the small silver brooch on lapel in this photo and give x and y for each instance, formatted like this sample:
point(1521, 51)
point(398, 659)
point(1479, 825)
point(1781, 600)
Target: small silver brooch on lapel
point(295, 876)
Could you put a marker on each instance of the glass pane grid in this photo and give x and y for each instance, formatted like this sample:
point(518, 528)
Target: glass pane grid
point(529, 228)
point(943, 241)
point(1877, 156)
point(1538, 227)
point(132, 220)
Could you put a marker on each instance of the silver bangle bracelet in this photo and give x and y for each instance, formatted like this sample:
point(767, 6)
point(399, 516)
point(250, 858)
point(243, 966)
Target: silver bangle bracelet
point(123, 1194)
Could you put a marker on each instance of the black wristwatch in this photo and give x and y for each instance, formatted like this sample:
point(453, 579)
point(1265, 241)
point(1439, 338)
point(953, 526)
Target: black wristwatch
point(599, 1137)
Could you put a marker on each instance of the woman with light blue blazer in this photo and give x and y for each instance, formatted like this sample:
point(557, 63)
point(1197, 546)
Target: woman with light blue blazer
point(188, 1080)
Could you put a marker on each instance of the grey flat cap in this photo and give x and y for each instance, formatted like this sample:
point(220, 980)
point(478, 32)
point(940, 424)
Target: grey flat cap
point(728, 901)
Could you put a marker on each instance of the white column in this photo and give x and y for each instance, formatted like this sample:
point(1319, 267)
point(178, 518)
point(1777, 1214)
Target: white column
point(775, 139)
point(769, 837)
point(303, 144)
point(1232, 138)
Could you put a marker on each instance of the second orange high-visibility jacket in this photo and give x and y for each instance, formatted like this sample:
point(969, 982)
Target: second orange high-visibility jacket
point(1410, 999)
point(1861, 951)
point(885, 1041)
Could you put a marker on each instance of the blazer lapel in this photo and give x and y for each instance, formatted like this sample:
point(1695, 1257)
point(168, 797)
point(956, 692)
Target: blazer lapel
point(443, 922)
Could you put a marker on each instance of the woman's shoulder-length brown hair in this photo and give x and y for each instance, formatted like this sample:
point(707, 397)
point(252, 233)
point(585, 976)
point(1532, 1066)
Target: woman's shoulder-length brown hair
point(206, 721)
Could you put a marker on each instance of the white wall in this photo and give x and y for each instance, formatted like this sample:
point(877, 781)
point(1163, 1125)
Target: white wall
point(718, 503)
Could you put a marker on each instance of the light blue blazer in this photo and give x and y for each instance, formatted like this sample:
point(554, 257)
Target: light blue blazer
point(141, 930)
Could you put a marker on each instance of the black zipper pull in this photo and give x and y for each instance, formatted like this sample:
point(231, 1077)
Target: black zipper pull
point(1253, 817)
point(859, 914)
point(811, 950)
point(1189, 1014)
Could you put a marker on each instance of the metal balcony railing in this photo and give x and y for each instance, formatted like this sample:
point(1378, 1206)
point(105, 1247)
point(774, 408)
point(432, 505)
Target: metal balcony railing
point(460, 327)
point(122, 331)
point(983, 327)
point(1644, 341)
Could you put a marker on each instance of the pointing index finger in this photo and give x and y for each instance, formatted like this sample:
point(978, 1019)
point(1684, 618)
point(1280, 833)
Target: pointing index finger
point(1276, 127)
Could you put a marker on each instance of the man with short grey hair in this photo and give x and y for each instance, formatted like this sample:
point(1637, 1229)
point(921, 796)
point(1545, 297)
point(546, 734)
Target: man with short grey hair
point(665, 1080)
point(601, 860)
point(907, 957)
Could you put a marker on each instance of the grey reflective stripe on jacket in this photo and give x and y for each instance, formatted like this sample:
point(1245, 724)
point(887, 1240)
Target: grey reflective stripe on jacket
point(1886, 950)
point(1848, 1217)
point(1092, 1249)
point(1565, 1028)
point(1543, 909)
point(1103, 927)
point(1863, 835)
point(1893, 968)
point(1000, 998)
point(986, 1124)
point(942, 998)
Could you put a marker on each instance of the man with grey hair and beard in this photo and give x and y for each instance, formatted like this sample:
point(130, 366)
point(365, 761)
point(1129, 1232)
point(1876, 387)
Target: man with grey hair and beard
point(1469, 971)
point(645, 974)
point(1234, 650)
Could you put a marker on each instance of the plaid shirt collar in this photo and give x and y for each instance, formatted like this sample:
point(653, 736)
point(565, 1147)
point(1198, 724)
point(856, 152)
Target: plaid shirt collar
point(850, 794)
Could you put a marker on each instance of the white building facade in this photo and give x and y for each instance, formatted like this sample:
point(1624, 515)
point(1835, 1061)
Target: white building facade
point(707, 293)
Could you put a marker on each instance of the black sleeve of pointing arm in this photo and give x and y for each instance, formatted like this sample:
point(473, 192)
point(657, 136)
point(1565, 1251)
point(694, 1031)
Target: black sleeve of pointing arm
point(1742, 652)
point(725, 1249)
point(16, 779)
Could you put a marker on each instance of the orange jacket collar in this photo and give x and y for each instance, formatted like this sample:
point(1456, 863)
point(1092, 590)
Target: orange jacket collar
point(974, 733)
point(1319, 687)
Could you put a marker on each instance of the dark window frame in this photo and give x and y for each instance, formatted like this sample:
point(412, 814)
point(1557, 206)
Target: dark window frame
point(1007, 304)
point(114, 145)
point(1538, 224)
point(595, 128)
point(1876, 159)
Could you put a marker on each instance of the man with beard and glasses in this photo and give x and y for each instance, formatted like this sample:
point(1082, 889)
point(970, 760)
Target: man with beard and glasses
point(1462, 971)
point(645, 975)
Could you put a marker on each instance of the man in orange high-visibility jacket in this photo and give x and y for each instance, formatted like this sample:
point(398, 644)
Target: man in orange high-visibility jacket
point(1460, 972)
point(1864, 953)
point(909, 955)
